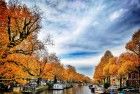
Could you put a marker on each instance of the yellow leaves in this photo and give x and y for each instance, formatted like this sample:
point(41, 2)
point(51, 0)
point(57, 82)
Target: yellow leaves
point(22, 59)
point(98, 75)
point(102, 69)
point(130, 60)
point(21, 81)
point(106, 70)
point(113, 69)
point(123, 70)
point(12, 71)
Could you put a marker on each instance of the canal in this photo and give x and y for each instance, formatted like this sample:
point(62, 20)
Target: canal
point(74, 90)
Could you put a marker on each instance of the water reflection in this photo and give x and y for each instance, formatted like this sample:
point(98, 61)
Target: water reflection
point(74, 90)
point(58, 92)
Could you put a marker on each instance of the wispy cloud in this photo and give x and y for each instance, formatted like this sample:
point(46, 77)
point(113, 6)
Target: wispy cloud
point(117, 14)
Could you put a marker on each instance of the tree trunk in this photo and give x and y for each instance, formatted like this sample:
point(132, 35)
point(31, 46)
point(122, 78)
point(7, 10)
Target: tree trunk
point(108, 79)
point(120, 81)
point(55, 79)
point(104, 81)
point(39, 81)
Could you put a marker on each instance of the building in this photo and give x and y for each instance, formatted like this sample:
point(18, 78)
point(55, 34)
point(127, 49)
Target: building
point(133, 79)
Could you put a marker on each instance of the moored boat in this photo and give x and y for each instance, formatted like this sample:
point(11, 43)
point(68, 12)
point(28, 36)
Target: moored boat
point(58, 86)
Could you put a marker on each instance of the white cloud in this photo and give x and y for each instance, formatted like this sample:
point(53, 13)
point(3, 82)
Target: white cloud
point(115, 15)
point(85, 61)
point(118, 50)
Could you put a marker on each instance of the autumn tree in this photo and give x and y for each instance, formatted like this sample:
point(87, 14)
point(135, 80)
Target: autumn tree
point(53, 69)
point(21, 23)
point(98, 75)
point(19, 27)
point(71, 71)
point(134, 46)
point(128, 62)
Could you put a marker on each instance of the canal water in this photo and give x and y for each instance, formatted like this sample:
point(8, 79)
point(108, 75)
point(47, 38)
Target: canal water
point(74, 90)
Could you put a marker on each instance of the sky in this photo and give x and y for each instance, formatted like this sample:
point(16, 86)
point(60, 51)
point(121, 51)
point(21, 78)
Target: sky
point(82, 30)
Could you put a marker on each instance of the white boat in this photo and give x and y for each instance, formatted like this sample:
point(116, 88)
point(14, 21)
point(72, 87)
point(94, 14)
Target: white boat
point(58, 86)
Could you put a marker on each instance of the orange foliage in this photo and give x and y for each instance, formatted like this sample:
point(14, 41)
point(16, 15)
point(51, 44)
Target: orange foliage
point(128, 62)
point(113, 69)
point(100, 71)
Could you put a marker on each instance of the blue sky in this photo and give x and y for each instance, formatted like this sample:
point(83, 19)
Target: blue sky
point(83, 30)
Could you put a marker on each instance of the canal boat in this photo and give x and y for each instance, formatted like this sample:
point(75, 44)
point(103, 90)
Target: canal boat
point(58, 86)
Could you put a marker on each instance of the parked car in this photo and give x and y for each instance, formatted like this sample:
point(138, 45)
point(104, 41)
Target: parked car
point(99, 90)
point(113, 88)
point(121, 92)
point(90, 86)
point(129, 89)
